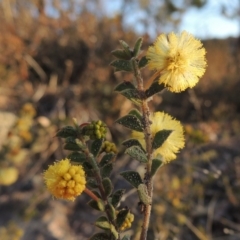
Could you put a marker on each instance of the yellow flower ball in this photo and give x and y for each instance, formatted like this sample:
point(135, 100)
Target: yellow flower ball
point(175, 141)
point(65, 180)
point(180, 59)
point(128, 222)
point(8, 176)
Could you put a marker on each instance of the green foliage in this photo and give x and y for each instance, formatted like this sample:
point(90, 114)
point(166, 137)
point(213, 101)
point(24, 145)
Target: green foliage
point(156, 164)
point(96, 147)
point(160, 137)
point(121, 217)
point(132, 142)
point(106, 170)
point(107, 158)
point(116, 197)
point(154, 88)
point(108, 187)
point(137, 153)
point(129, 91)
point(122, 65)
point(100, 236)
point(77, 157)
point(143, 62)
point(97, 205)
point(67, 131)
point(137, 47)
point(132, 177)
point(131, 122)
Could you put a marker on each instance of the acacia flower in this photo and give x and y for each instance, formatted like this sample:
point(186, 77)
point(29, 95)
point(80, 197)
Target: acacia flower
point(180, 59)
point(175, 141)
point(128, 222)
point(65, 180)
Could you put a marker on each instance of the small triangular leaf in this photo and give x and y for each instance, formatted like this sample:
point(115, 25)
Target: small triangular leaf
point(132, 177)
point(102, 222)
point(126, 48)
point(137, 47)
point(97, 205)
point(121, 217)
point(92, 183)
point(73, 144)
point(137, 153)
point(131, 122)
point(108, 187)
point(111, 211)
point(156, 164)
point(121, 54)
point(107, 158)
point(154, 88)
point(67, 131)
point(136, 113)
point(77, 157)
point(106, 170)
point(96, 146)
point(132, 95)
point(132, 142)
point(116, 197)
point(124, 86)
point(160, 137)
point(143, 62)
point(122, 65)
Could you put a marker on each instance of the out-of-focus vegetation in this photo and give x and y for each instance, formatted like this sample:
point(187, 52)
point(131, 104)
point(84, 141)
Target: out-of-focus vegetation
point(56, 66)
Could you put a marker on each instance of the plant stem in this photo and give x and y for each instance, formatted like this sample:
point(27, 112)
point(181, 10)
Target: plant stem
point(148, 140)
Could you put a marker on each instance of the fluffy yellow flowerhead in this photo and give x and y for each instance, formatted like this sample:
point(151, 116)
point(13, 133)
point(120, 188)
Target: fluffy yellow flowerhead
point(65, 180)
point(175, 141)
point(180, 59)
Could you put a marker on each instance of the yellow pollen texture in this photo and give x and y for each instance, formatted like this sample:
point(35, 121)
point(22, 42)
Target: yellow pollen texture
point(64, 180)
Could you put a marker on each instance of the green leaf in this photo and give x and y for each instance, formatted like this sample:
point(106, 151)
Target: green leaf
point(72, 147)
point(77, 157)
point(131, 122)
point(121, 217)
point(132, 142)
point(67, 131)
point(100, 236)
point(136, 113)
point(126, 48)
point(106, 170)
point(124, 86)
point(160, 137)
point(137, 153)
point(156, 164)
point(154, 88)
point(92, 183)
point(143, 194)
point(122, 65)
point(129, 91)
point(97, 205)
point(108, 187)
point(143, 62)
point(132, 177)
point(96, 146)
point(116, 197)
point(107, 158)
point(132, 95)
point(111, 210)
point(102, 222)
point(88, 169)
point(137, 47)
point(121, 54)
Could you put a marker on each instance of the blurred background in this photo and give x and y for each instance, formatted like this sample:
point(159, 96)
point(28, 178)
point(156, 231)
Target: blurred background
point(54, 65)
